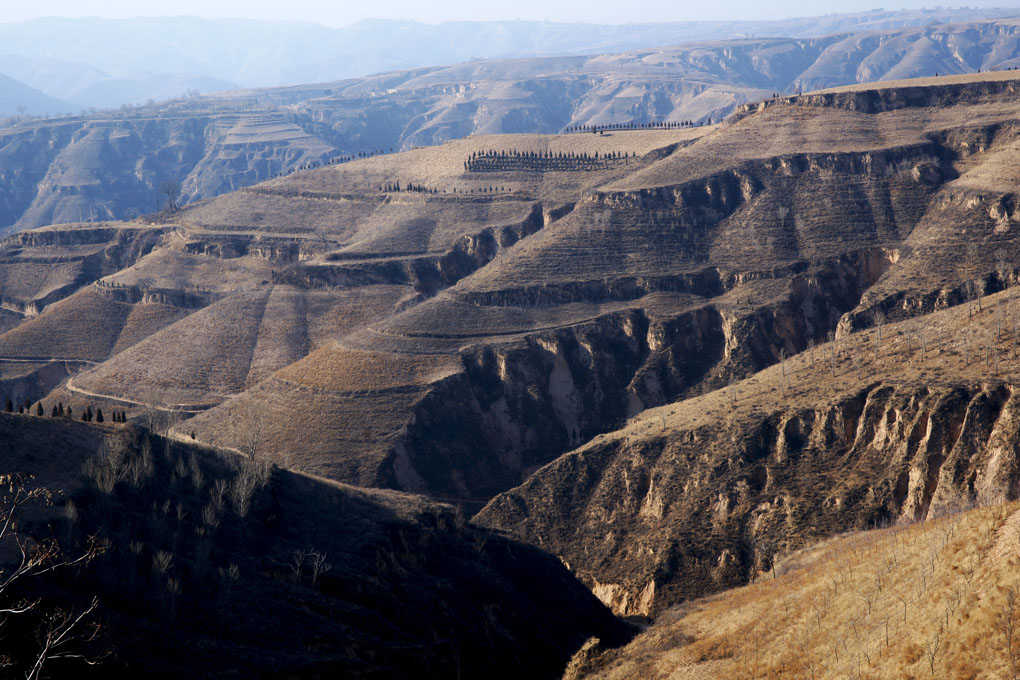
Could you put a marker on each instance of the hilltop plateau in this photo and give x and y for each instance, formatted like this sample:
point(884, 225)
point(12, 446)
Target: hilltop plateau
point(111, 164)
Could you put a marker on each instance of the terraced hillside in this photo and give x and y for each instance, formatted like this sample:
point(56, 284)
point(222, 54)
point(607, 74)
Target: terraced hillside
point(671, 357)
point(111, 165)
point(403, 321)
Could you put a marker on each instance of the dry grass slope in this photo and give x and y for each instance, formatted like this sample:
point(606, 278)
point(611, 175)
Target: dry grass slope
point(935, 599)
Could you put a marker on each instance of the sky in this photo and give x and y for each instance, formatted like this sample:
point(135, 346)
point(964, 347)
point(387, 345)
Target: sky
point(338, 13)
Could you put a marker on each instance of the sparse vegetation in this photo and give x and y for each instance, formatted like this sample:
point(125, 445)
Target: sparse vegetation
point(676, 357)
point(931, 599)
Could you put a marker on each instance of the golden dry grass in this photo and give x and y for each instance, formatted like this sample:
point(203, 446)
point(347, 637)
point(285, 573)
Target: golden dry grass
point(926, 600)
point(336, 368)
point(85, 325)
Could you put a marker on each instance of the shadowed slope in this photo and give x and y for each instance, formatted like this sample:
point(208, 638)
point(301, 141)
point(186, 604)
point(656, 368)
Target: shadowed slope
point(406, 588)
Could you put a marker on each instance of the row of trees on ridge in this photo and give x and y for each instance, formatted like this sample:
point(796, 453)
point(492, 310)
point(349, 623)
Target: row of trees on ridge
point(508, 161)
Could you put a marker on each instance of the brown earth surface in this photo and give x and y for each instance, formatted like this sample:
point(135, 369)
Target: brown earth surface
point(673, 372)
point(503, 318)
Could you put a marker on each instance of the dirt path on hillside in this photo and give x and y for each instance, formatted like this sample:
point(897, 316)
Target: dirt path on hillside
point(186, 408)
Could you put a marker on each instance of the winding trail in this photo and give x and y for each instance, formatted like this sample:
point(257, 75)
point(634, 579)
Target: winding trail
point(180, 408)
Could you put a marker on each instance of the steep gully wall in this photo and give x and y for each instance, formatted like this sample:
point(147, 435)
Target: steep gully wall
point(655, 521)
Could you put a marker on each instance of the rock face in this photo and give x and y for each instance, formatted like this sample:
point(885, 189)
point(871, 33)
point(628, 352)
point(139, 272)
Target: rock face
point(650, 520)
point(404, 321)
point(517, 405)
point(111, 165)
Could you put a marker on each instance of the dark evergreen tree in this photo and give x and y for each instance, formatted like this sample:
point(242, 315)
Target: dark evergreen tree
point(39, 409)
point(99, 415)
point(53, 413)
point(9, 406)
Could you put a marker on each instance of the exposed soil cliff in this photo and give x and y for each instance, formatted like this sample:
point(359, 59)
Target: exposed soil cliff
point(651, 521)
point(517, 405)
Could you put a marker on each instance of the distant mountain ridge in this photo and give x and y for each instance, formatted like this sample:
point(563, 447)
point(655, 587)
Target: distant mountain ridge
point(273, 53)
point(16, 96)
point(110, 165)
point(81, 86)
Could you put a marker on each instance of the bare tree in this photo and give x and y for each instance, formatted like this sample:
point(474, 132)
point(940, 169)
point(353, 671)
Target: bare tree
point(152, 412)
point(782, 365)
point(250, 478)
point(319, 565)
point(878, 318)
point(1014, 317)
point(61, 634)
point(932, 649)
point(1002, 267)
point(172, 191)
point(314, 558)
point(253, 421)
point(27, 559)
point(297, 564)
point(1007, 625)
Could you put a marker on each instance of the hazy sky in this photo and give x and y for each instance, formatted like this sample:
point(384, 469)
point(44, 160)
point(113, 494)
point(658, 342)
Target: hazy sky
point(344, 12)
